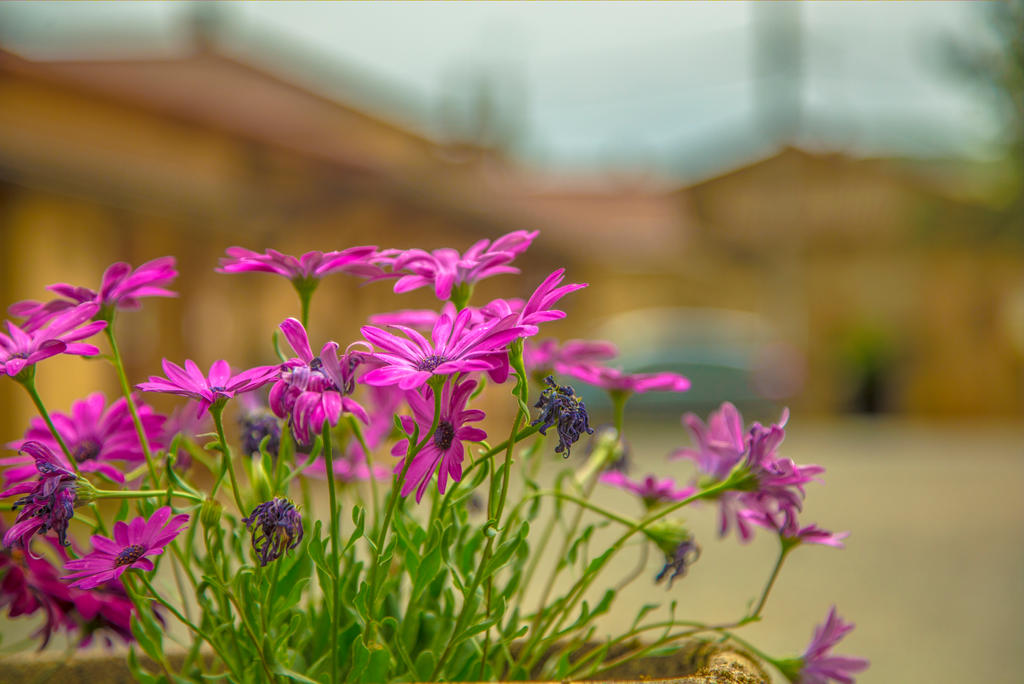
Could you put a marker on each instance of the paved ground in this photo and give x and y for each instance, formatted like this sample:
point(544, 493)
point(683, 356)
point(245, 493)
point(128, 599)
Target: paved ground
point(933, 574)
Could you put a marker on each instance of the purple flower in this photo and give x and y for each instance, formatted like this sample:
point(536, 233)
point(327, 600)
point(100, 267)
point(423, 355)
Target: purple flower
point(560, 406)
point(95, 433)
point(350, 468)
point(207, 390)
point(49, 502)
point(445, 451)
point(818, 666)
point(545, 356)
point(455, 348)
point(767, 487)
point(720, 444)
point(616, 381)
point(120, 288)
point(129, 548)
point(308, 268)
point(32, 583)
point(652, 490)
point(311, 389)
point(445, 268)
point(59, 335)
point(784, 522)
point(276, 527)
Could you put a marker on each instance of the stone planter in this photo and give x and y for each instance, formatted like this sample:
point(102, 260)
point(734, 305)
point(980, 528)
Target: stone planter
point(697, 665)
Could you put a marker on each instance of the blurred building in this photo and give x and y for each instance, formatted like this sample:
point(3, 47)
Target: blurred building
point(837, 283)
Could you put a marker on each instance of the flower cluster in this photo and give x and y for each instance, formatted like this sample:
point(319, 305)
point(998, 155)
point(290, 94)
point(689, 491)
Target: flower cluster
point(419, 373)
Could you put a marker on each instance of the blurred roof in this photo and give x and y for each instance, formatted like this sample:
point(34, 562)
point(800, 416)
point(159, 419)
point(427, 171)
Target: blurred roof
point(212, 90)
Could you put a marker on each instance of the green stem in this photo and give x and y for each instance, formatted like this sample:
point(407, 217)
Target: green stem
point(188, 623)
point(756, 613)
point(335, 548)
point(144, 494)
point(30, 387)
point(464, 613)
point(374, 492)
point(436, 384)
point(217, 412)
point(579, 588)
point(126, 390)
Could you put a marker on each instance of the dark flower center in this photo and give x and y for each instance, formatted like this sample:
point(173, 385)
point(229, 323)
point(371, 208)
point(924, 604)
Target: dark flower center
point(129, 554)
point(430, 363)
point(86, 450)
point(316, 364)
point(19, 355)
point(443, 435)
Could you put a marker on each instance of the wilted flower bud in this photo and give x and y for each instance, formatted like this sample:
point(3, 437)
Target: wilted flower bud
point(560, 405)
point(256, 426)
point(276, 527)
point(680, 550)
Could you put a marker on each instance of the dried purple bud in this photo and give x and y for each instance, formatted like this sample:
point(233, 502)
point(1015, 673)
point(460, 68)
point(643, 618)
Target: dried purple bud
point(560, 405)
point(276, 527)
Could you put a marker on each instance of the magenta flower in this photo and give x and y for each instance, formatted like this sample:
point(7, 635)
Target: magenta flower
point(445, 268)
point(767, 487)
point(30, 583)
point(454, 348)
point(719, 445)
point(784, 522)
point(49, 502)
point(120, 288)
point(445, 450)
point(615, 381)
point(58, 335)
point(313, 389)
point(537, 309)
point(95, 434)
point(548, 355)
point(652, 490)
point(818, 666)
point(129, 548)
point(220, 385)
point(310, 266)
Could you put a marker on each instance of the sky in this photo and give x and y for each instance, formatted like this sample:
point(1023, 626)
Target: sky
point(681, 89)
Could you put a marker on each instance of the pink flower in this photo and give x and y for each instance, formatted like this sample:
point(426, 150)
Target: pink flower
point(720, 444)
point(95, 433)
point(445, 450)
point(49, 502)
point(818, 666)
point(537, 309)
point(768, 487)
point(32, 583)
point(784, 522)
point(120, 288)
point(445, 268)
point(58, 335)
point(650, 489)
point(310, 266)
point(614, 380)
point(454, 348)
point(311, 389)
point(545, 356)
point(132, 544)
point(219, 385)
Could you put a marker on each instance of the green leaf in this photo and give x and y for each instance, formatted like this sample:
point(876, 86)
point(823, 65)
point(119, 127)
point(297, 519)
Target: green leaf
point(292, 675)
point(425, 663)
point(428, 569)
point(505, 551)
point(147, 640)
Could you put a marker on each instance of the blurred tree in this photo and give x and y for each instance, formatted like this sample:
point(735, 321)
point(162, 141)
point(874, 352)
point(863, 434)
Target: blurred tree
point(995, 67)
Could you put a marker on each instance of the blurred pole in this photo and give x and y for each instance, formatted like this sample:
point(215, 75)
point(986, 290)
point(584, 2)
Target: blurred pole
point(778, 94)
point(778, 69)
